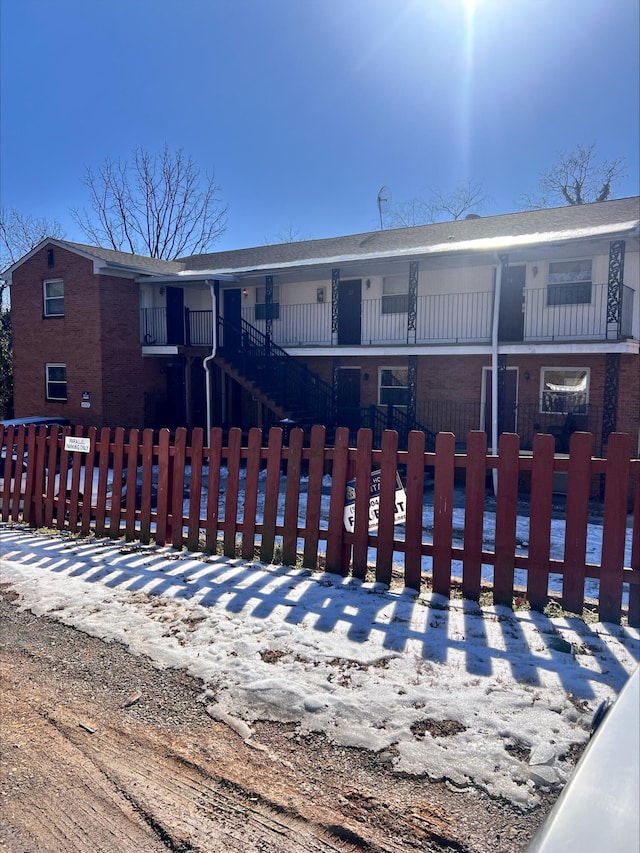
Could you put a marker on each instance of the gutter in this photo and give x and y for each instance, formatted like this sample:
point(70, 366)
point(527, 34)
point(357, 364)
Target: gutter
point(494, 368)
point(205, 362)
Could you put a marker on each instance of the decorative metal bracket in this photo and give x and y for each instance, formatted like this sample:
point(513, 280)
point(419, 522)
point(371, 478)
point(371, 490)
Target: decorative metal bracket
point(335, 284)
point(614, 288)
point(610, 401)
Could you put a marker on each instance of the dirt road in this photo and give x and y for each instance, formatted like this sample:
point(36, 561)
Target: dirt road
point(80, 770)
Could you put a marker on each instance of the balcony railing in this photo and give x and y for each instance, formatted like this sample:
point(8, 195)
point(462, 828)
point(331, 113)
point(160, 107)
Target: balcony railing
point(562, 312)
point(558, 313)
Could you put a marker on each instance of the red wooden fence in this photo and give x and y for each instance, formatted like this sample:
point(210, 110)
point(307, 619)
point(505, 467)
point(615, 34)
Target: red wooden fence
point(200, 511)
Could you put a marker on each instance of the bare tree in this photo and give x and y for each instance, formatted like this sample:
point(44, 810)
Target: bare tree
point(290, 234)
point(19, 233)
point(155, 204)
point(468, 197)
point(577, 178)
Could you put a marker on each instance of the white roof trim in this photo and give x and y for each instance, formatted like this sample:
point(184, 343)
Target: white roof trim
point(486, 244)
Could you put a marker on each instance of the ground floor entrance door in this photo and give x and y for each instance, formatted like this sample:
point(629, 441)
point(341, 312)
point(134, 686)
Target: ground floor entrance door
point(507, 402)
point(348, 397)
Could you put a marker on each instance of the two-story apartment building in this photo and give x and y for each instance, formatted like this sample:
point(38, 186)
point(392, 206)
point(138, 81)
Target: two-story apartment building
point(524, 322)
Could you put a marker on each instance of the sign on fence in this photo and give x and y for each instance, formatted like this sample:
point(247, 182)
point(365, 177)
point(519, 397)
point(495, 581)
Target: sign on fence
point(77, 445)
point(400, 514)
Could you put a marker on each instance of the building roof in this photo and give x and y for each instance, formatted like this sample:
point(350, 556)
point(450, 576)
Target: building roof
point(491, 232)
point(475, 234)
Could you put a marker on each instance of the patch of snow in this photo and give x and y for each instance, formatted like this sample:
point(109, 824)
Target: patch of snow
point(475, 696)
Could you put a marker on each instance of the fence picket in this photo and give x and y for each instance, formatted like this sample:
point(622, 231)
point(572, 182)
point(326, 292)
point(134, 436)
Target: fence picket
point(443, 512)
point(272, 487)
point(177, 487)
point(87, 486)
point(251, 485)
point(541, 504)
point(74, 496)
point(164, 494)
point(18, 450)
point(385, 538)
point(614, 525)
point(575, 545)
point(506, 516)
point(292, 497)
point(314, 498)
point(30, 482)
point(335, 532)
point(116, 489)
point(232, 491)
point(414, 487)
point(364, 445)
point(195, 488)
point(39, 476)
point(147, 486)
point(133, 450)
point(213, 490)
point(474, 494)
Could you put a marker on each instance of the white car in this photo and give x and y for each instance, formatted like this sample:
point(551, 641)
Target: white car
point(598, 810)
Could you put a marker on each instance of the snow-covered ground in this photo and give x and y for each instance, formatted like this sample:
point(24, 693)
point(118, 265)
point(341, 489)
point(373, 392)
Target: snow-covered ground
point(481, 697)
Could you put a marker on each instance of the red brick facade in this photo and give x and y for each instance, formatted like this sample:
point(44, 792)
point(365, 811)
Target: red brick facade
point(97, 339)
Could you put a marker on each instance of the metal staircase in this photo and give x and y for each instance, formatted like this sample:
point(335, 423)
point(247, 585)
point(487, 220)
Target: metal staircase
point(291, 391)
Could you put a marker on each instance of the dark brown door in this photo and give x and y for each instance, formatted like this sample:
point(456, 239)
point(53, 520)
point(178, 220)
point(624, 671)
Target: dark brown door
point(232, 306)
point(350, 312)
point(348, 394)
point(175, 315)
point(511, 317)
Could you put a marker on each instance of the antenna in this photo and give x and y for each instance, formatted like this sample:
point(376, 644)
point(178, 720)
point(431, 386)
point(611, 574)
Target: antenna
point(384, 201)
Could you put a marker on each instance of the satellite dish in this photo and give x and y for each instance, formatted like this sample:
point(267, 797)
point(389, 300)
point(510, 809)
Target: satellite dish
point(384, 202)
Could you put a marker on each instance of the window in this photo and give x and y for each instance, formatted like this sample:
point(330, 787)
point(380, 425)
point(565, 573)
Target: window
point(395, 294)
point(56, 381)
point(394, 386)
point(569, 282)
point(261, 303)
point(54, 298)
point(564, 390)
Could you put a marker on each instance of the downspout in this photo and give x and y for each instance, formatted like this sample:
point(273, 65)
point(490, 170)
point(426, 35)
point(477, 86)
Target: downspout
point(494, 368)
point(205, 363)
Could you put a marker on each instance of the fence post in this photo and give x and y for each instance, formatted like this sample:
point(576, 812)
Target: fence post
point(540, 520)
point(314, 497)
point(272, 485)
point(362, 499)
point(335, 532)
point(475, 480)
point(388, 470)
point(614, 525)
point(250, 508)
point(443, 512)
point(292, 497)
point(415, 500)
point(575, 546)
point(506, 514)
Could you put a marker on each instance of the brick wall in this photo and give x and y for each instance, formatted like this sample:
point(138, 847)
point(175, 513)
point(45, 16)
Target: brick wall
point(97, 339)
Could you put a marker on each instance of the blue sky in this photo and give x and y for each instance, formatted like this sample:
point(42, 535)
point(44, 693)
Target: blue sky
point(305, 108)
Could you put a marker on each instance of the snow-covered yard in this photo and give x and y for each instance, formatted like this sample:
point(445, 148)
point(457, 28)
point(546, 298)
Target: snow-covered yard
point(478, 696)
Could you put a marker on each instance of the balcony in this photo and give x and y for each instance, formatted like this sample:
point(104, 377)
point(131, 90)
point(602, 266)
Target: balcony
point(548, 314)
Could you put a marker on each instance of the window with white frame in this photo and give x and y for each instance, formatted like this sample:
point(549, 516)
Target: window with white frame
point(56, 375)
point(564, 390)
point(395, 294)
point(53, 290)
point(261, 303)
point(393, 386)
point(569, 282)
